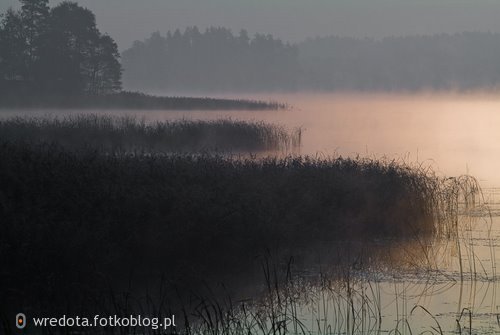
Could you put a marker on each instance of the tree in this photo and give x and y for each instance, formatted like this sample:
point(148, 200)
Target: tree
point(105, 70)
point(215, 59)
point(13, 62)
point(58, 51)
point(147, 62)
point(68, 47)
point(34, 15)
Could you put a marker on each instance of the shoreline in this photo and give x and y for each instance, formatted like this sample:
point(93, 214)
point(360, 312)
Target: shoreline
point(136, 100)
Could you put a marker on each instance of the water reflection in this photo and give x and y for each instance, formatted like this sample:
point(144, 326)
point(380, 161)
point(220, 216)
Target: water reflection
point(405, 287)
point(444, 285)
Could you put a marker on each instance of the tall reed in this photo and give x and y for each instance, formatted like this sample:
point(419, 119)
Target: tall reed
point(128, 134)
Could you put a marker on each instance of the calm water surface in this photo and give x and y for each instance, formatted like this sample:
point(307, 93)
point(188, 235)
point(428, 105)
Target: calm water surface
point(454, 135)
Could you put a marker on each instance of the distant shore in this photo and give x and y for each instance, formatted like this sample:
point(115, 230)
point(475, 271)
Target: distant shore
point(136, 100)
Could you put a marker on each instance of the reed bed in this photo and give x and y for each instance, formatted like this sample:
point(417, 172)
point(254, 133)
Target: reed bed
point(83, 220)
point(127, 134)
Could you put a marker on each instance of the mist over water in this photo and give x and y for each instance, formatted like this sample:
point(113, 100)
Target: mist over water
point(135, 174)
point(454, 134)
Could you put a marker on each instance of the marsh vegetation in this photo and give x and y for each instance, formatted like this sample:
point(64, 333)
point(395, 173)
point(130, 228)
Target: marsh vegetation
point(188, 206)
point(97, 217)
point(166, 212)
point(132, 135)
point(125, 100)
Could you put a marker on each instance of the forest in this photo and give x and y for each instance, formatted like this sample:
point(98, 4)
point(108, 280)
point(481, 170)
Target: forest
point(57, 58)
point(60, 51)
point(211, 60)
point(218, 60)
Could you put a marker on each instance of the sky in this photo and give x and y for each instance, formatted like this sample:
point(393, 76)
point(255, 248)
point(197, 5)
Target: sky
point(291, 20)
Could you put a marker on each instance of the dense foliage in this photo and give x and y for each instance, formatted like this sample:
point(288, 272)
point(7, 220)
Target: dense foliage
point(56, 51)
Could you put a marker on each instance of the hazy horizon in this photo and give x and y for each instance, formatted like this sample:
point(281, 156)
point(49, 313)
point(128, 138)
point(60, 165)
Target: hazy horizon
point(291, 20)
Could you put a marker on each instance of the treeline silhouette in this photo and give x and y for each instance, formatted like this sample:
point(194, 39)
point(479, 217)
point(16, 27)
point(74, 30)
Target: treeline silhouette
point(56, 51)
point(215, 59)
point(462, 61)
point(56, 57)
point(218, 60)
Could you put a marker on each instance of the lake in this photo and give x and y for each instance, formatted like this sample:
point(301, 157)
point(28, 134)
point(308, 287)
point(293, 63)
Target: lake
point(454, 134)
point(456, 287)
